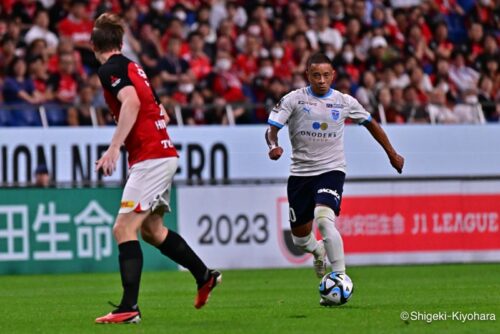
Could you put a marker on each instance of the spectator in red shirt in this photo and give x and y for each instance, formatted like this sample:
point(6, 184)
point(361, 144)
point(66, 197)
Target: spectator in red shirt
point(226, 86)
point(225, 82)
point(417, 46)
point(184, 88)
point(422, 84)
point(175, 30)
point(282, 64)
point(199, 62)
point(396, 28)
point(224, 44)
point(246, 62)
point(66, 46)
point(62, 89)
point(37, 68)
point(301, 52)
point(78, 28)
point(338, 17)
point(227, 28)
point(441, 45)
point(475, 45)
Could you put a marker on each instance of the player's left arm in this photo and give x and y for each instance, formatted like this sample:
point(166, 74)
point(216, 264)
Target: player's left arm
point(128, 115)
point(397, 161)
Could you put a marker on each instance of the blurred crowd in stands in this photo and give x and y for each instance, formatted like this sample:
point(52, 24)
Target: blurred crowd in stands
point(406, 61)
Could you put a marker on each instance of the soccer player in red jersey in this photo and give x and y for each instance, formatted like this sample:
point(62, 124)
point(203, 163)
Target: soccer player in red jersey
point(142, 126)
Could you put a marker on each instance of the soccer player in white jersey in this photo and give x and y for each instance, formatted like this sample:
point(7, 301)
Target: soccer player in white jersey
point(315, 116)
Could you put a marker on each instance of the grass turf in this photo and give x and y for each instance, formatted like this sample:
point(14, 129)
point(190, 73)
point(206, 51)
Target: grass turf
point(258, 301)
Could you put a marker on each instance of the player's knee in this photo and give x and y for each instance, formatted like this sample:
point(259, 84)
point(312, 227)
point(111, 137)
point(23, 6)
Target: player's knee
point(124, 228)
point(147, 234)
point(301, 242)
point(323, 216)
point(153, 234)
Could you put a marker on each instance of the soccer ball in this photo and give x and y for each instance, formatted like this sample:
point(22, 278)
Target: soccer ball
point(335, 289)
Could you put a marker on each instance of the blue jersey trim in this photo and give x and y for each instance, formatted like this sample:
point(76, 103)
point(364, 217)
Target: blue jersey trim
point(310, 92)
point(276, 124)
point(366, 121)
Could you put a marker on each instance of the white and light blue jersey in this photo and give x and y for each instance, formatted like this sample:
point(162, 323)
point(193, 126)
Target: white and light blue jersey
point(316, 128)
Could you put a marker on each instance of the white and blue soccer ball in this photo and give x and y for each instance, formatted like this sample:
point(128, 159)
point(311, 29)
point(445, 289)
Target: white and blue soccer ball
point(335, 289)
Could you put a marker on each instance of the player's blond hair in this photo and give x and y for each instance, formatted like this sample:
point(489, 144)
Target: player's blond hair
point(107, 34)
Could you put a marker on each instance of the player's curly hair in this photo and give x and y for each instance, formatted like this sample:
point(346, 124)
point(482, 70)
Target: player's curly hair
point(107, 34)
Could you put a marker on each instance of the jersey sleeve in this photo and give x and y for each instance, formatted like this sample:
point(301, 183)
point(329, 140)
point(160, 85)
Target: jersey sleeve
point(357, 113)
point(281, 112)
point(114, 78)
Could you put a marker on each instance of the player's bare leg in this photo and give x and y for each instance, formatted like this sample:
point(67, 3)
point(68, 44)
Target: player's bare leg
point(304, 239)
point(130, 258)
point(176, 248)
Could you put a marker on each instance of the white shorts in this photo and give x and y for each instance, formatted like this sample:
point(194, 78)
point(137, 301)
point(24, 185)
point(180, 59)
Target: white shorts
point(148, 186)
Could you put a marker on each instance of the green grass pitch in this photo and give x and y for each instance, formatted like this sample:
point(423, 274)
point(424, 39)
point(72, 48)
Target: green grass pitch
point(258, 301)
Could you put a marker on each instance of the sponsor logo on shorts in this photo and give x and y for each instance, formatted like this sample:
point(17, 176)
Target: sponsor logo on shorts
point(127, 204)
point(330, 191)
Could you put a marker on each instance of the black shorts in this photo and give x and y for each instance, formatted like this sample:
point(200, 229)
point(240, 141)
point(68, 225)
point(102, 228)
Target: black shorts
point(305, 192)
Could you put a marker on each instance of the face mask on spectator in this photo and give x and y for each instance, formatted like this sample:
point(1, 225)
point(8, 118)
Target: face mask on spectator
point(223, 64)
point(181, 15)
point(264, 53)
point(348, 56)
point(186, 88)
point(158, 5)
point(266, 71)
point(254, 30)
point(277, 53)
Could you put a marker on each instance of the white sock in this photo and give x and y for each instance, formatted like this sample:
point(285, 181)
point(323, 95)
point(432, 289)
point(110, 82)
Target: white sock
point(308, 243)
point(325, 218)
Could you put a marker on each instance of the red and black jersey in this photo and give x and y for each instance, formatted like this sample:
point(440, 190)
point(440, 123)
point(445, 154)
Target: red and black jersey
point(148, 138)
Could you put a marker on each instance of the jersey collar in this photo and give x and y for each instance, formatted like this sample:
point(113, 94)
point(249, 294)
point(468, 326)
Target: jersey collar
point(310, 92)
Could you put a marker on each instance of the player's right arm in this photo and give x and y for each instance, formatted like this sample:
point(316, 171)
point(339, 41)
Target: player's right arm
point(115, 79)
point(275, 151)
point(278, 117)
point(130, 105)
